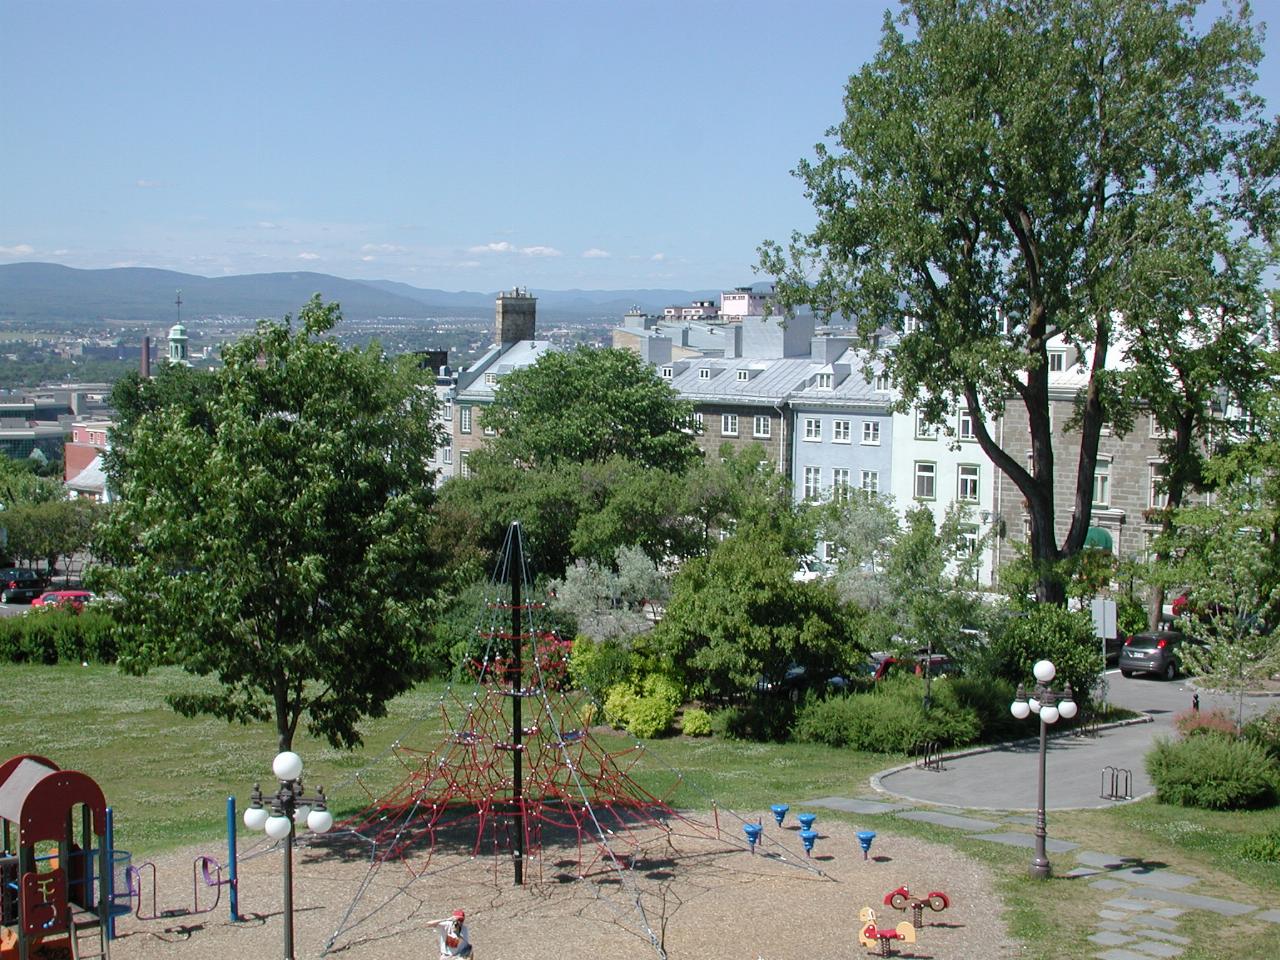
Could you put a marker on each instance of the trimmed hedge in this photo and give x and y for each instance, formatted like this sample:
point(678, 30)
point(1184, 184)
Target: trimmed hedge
point(53, 635)
point(891, 719)
point(1213, 772)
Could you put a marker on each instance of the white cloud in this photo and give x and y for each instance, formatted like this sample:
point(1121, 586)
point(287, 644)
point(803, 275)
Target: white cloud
point(368, 259)
point(383, 248)
point(658, 257)
point(147, 184)
point(596, 254)
point(268, 225)
point(18, 250)
point(500, 247)
point(308, 256)
point(469, 264)
point(540, 252)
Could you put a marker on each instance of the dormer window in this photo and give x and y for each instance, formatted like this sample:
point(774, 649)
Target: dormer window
point(910, 324)
point(704, 373)
point(1057, 361)
point(491, 379)
point(666, 373)
point(744, 376)
point(882, 383)
point(824, 381)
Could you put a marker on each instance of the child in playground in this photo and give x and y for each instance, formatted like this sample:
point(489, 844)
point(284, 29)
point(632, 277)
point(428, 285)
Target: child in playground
point(455, 938)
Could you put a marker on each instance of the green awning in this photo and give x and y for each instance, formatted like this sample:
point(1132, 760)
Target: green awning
point(1099, 539)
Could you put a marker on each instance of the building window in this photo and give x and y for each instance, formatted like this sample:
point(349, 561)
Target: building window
point(491, 379)
point(761, 427)
point(812, 428)
point(882, 383)
point(729, 424)
point(825, 381)
point(446, 454)
point(666, 373)
point(1057, 361)
point(1102, 483)
point(1106, 429)
point(743, 376)
point(924, 429)
point(926, 480)
point(967, 482)
point(704, 373)
point(1003, 323)
point(969, 538)
point(463, 467)
point(1157, 431)
point(490, 432)
point(840, 483)
point(697, 420)
point(1157, 492)
point(812, 482)
point(871, 481)
point(841, 431)
point(910, 324)
point(447, 414)
point(464, 419)
point(966, 425)
point(871, 432)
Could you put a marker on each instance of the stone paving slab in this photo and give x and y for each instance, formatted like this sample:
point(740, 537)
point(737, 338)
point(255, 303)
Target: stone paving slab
point(847, 805)
point(1092, 858)
point(1122, 954)
point(1169, 912)
point(1077, 872)
point(1028, 841)
point(1108, 938)
point(1153, 920)
point(1165, 879)
point(1113, 914)
point(1157, 949)
point(1133, 906)
point(1226, 908)
point(949, 820)
point(1271, 916)
point(1109, 885)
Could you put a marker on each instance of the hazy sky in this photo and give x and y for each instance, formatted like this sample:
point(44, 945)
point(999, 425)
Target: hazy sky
point(469, 144)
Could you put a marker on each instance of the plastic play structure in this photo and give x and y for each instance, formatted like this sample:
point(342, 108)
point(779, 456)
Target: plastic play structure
point(55, 889)
point(874, 937)
point(901, 899)
point(521, 787)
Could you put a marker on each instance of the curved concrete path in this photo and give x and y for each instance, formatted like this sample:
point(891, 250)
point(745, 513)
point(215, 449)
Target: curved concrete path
point(1005, 777)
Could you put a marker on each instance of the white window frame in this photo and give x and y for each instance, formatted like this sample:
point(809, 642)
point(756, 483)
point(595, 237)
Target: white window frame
point(1102, 483)
point(825, 381)
point(744, 376)
point(871, 481)
point(882, 384)
point(1057, 361)
point(1158, 432)
point(968, 482)
point(813, 429)
point(698, 419)
point(1157, 470)
point(812, 483)
point(925, 470)
point(841, 431)
point(446, 454)
point(666, 373)
point(925, 430)
point(464, 468)
point(704, 373)
point(840, 483)
point(728, 424)
point(464, 419)
point(490, 379)
point(871, 433)
point(761, 427)
point(964, 425)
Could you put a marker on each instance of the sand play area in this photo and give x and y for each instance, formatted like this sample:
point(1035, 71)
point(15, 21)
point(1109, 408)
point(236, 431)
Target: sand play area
point(700, 896)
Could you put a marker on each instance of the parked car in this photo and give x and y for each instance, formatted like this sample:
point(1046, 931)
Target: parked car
point(882, 663)
point(17, 584)
point(75, 599)
point(1156, 651)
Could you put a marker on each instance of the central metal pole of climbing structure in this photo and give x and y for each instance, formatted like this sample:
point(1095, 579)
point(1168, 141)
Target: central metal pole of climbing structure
point(517, 688)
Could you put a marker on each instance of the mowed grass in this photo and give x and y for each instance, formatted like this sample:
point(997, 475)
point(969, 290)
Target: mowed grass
point(168, 777)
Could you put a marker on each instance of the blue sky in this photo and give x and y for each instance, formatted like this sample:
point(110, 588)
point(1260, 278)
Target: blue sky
point(470, 144)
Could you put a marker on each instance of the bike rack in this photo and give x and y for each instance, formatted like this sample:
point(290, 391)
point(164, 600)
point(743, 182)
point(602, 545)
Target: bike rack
point(931, 756)
point(1117, 784)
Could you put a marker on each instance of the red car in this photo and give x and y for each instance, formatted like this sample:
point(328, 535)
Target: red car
point(75, 599)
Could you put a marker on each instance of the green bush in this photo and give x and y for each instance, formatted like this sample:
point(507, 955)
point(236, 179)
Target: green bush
point(989, 699)
point(891, 719)
point(617, 704)
point(49, 635)
point(1264, 731)
point(649, 717)
point(762, 719)
point(1212, 772)
point(596, 666)
point(1263, 848)
point(1047, 632)
point(696, 722)
point(663, 688)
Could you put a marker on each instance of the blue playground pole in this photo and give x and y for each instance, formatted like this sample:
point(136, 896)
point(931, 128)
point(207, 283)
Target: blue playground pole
point(231, 860)
point(110, 840)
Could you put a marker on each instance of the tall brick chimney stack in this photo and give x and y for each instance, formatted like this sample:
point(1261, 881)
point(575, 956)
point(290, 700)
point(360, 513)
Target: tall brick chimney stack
point(516, 317)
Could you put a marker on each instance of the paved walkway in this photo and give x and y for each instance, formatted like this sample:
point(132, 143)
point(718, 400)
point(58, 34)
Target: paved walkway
point(990, 795)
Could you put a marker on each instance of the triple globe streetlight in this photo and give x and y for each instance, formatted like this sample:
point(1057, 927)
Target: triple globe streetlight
point(1049, 705)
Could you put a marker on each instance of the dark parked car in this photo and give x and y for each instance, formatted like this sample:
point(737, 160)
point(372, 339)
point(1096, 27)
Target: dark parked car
point(1156, 651)
point(18, 584)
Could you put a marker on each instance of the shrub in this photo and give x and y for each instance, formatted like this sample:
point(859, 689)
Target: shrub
point(663, 688)
point(892, 719)
point(696, 722)
point(649, 716)
point(1212, 772)
point(989, 699)
point(762, 719)
point(1047, 632)
point(1263, 848)
point(1264, 731)
point(598, 665)
point(1194, 723)
point(47, 636)
point(617, 704)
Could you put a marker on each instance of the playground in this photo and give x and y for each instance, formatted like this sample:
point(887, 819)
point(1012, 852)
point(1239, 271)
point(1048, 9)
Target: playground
point(705, 899)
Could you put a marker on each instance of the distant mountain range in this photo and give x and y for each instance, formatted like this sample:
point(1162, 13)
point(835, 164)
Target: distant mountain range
point(49, 291)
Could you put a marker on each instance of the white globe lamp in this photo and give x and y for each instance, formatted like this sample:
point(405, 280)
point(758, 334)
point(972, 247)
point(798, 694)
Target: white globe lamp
point(255, 818)
point(278, 827)
point(319, 821)
point(1044, 671)
point(287, 765)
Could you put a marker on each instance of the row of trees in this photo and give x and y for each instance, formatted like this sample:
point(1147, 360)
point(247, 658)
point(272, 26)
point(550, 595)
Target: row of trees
point(41, 526)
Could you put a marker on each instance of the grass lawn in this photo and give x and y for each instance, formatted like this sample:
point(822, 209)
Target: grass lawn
point(168, 778)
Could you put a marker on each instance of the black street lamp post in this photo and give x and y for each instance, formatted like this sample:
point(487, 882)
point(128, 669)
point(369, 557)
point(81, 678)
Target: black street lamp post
point(1049, 704)
point(291, 808)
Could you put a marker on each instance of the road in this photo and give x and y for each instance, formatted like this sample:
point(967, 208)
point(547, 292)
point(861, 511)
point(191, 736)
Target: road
point(1005, 778)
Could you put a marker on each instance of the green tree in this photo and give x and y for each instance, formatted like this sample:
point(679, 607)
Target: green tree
point(589, 406)
point(283, 549)
point(1007, 174)
point(738, 617)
